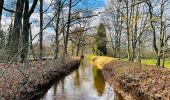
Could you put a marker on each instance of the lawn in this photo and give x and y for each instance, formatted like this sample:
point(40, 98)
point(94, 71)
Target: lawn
point(153, 62)
point(101, 60)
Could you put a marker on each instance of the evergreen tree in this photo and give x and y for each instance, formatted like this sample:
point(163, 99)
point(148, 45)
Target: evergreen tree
point(101, 40)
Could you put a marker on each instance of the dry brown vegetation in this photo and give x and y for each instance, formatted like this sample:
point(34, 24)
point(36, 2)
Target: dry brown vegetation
point(138, 83)
point(32, 78)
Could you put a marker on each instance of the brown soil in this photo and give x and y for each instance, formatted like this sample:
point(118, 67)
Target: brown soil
point(138, 83)
point(25, 81)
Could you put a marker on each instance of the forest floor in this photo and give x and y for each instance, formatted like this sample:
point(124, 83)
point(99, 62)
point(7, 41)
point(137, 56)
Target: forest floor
point(25, 81)
point(134, 81)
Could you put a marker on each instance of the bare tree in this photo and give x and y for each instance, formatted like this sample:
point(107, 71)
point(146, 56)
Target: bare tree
point(26, 27)
point(15, 34)
point(158, 43)
point(1, 8)
point(68, 27)
point(41, 27)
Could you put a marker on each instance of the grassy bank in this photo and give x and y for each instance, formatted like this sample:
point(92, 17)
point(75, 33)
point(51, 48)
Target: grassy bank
point(104, 59)
point(135, 82)
point(25, 82)
point(99, 61)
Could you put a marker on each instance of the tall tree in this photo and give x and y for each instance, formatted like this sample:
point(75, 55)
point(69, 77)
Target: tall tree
point(118, 26)
point(1, 7)
point(158, 43)
point(68, 27)
point(41, 29)
point(101, 40)
point(58, 12)
point(26, 27)
point(77, 37)
point(15, 34)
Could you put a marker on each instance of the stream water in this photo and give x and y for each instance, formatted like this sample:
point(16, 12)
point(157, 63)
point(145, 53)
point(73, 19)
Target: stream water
point(85, 83)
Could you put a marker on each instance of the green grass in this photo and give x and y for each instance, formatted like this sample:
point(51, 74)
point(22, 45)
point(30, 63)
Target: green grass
point(144, 61)
point(90, 56)
point(153, 62)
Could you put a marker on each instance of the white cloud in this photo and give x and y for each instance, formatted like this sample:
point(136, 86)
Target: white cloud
point(5, 22)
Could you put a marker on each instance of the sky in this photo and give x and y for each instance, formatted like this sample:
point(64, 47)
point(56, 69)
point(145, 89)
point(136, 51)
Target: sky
point(93, 4)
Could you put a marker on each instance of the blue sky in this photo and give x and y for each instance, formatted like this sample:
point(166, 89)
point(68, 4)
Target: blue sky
point(93, 4)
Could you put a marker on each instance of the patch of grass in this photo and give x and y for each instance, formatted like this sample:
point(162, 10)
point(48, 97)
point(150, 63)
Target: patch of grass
point(90, 56)
point(99, 61)
point(153, 62)
point(102, 60)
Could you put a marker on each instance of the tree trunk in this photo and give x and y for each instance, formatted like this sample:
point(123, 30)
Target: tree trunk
point(15, 35)
point(158, 63)
point(25, 32)
point(163, 64)
point(25, 38)
point(26, 27)
point(57, 29)
point(1, 7)
point(41, 28)
point(31, 45)
point(164, 47)
point(68, 28)
point(128, 33)
point(78, 47)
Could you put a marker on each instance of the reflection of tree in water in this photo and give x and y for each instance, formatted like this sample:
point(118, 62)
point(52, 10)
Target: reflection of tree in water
point(99, 82)
point(77, 78)
point(62, 83)
point(62, 95)
point(83, 65)
point(55, 88)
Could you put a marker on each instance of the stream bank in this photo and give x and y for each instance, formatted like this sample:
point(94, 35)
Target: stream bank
point(143, 82)
point(134, 81)
point(21, 82)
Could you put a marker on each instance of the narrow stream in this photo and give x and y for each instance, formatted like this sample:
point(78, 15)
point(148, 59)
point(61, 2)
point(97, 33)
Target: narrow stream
point(85, 83)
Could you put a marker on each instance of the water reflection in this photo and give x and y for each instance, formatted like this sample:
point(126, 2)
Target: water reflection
point(77, 78)
point(99, 82)
point(86, 83)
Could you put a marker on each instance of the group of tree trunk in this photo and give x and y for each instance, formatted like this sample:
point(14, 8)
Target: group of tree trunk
point(20, 28)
